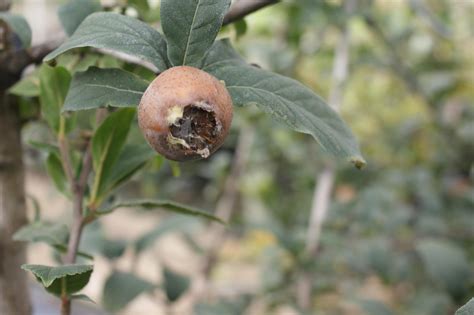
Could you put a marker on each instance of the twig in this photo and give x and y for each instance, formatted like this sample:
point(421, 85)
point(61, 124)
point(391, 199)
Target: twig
point(421, 8)
point(13, 63)
point(226, 204)
point(78, 221)
point(396, 61)
point(242, 8)
point(320, 205)
point(5, 5)
point(325, 180)
point(66, 162)
point(224, 209)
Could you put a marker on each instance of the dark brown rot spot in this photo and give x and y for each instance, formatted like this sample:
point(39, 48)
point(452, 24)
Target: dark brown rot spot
point(198, 129)
point(185, 114)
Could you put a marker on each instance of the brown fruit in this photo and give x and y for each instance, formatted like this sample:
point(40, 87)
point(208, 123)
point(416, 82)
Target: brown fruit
point(185, 114)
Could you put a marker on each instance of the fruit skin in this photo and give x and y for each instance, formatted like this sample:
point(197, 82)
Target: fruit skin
point(185, 113)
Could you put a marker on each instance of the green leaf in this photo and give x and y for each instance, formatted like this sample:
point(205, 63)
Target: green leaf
point(54, 84)
point(54, 234)
point(74, 12)
point(94, 240)
point(44, 147)
point(18, 26)
point(107, 143)
point(55, 170)
point(446, 264)
point(373, 307)
point(175, 168)
point(467, 309)
point(117, 33)
point(50, 233)
point(28, 86)
point(175, 284)
point(191, 27)
point(240, 28)
point(121, 288)
point(96, 88)
point(113, 249)
point(130, 160)
point(145, 12)
point(82, 297)
point(36, 207)
point(286, 100)
point(166, 204)
point(67, 278)
point(142, 6)
point(174, 224)
point(227, 306)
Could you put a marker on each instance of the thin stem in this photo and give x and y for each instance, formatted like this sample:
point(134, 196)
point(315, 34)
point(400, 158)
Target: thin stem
point(65, 155)
point(78, 188)
point(225, 208)
point(65, 302)
point(65, 306)
point(226, 205)
point(325, 180)
point(74, 239)
point(242, 8)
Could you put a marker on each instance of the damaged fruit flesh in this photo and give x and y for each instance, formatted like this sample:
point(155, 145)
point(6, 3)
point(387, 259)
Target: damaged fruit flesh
point(195, 130)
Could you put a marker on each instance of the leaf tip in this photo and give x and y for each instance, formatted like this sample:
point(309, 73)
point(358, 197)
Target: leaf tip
point(221, 221)
point(50, 61)
point(358, 161)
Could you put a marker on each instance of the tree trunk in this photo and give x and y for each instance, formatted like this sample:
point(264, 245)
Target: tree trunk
point(14, 294)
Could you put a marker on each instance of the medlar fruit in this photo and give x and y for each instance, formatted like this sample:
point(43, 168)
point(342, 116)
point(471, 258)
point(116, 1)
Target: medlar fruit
point(185, 114)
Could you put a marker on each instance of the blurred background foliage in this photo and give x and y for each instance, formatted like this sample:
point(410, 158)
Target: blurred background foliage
point(399, 236)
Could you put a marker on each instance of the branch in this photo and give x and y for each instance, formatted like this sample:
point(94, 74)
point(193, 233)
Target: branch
point(242, 8)
point(325, 180)
point(12, 63)
point(421, 9)
point(397, 63)
point(78, 220)
point(226, 204)
point(225, 208)
point(5, 5)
